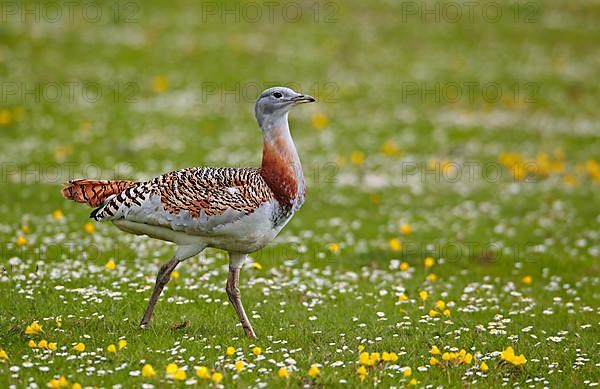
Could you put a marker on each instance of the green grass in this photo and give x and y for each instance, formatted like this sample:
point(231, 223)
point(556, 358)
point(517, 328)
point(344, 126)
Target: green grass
point(307, 304)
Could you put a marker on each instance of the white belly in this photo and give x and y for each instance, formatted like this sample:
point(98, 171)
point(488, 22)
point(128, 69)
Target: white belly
point(235, 233)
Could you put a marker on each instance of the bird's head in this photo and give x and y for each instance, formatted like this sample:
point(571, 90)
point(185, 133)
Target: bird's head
point(274, 104)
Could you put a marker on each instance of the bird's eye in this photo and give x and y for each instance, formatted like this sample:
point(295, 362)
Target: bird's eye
point(277, 95)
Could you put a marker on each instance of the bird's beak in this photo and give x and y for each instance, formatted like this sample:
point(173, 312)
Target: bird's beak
point(302, 99)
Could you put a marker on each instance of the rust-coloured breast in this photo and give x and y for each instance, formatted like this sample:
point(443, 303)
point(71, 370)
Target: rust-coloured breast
point(279, 174)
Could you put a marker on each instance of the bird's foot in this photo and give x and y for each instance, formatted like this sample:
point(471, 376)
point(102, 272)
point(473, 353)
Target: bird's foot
point(250, 333)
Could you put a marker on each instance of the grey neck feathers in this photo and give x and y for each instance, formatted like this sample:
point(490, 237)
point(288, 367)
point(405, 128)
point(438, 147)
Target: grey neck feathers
point(275, 126)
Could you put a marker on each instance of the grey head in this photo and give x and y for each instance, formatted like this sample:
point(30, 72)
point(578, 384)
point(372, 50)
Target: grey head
point(274, 104)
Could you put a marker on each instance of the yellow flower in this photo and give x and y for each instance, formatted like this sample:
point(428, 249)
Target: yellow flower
point(76, 385)
point(413, 382)
point(230, 351)
point(319, 120)
point(405, 229)
point(20, 241)
point(175, 274)
point(467, 359)
point(390, 148)
point(570, 180)
point(446, 312)
point(508, 159)
point(257, 351)
point(375, 357)
point(34, 328)
point(58, 383)
point(434, 361)
point(357, 158)
point(435, 350)
point(423, 295)
point(314, 371)
point(180, 375)
point(62, 152)
point(395, 244)
point(112, 348)
point(79, 347)
point(216, 377)
point(160, 84)
point(52, 346)
point(3, 355)
point(360, 348)
point(365, 359)
point(110, 265)
point(334, 247)
point(5, 117)
point(89, 228)
point(362, 373)
point(32, 344)
point(404, 266)
point(43, 344)
point(432, 277)
point(25, 229)
point(402, 297)
point(122, 344)
point(448, 356)
point(519, 360)
point(429, 262)
point(407, 372)
point(389, 357)
point(148, 371)
point(527, 280)
point(257, 265)
point(461, 357)
point(440, 304)
point(483, 367)
point(283, 373)
point(57, 214)
point(593, 169)
point(202, 372)
point(508, 355)
point(171, 368)
point(433, 313)
point(239, 365)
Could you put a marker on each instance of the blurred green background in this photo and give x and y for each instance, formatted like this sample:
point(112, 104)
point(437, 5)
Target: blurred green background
point(134, 89)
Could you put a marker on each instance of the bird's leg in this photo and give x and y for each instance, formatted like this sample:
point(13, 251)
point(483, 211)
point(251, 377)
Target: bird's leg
point(233, 292)
point(164, 275)
point(236, 262)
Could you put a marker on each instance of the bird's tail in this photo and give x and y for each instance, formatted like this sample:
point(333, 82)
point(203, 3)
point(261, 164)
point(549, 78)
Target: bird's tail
point(93, 192)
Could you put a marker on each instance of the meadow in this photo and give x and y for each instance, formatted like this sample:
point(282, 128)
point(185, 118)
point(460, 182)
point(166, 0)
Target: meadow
point(450, 235)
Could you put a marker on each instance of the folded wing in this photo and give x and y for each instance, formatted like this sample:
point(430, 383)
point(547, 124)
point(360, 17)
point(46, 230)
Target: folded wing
point(191, 200)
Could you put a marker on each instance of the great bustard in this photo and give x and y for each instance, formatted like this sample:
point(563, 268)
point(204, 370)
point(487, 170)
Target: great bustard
point(237, 210)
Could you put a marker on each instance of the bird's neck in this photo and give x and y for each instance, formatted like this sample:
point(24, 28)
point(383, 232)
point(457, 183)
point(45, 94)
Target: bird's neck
point(281, 168)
